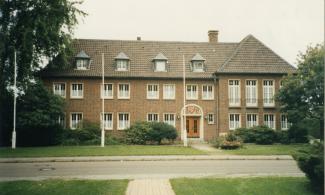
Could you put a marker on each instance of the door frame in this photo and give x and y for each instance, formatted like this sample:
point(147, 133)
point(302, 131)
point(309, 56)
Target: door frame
point(200, 115)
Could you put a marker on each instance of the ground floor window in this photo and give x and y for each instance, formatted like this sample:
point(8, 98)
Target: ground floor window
point(210, 118)
point(76, 120)
point(152, 117)
point(234, 121)
point(108, 121)
point(123, 121)
point(285, 125)
point(61, 120)
point(169, 119)
point(269, 120)
point(251, 120)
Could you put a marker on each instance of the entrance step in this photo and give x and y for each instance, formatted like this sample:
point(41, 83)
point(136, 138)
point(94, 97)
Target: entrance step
point(149, 187)
point(196, 141)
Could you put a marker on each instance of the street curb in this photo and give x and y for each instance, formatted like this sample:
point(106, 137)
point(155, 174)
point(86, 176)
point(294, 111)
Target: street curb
point(144, 158)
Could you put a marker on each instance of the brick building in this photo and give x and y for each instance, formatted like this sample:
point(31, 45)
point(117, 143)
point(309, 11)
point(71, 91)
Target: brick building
point(228, 85)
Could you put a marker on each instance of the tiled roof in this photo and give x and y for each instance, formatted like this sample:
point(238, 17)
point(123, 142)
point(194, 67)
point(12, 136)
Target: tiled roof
point(249, 55)
point(198, 57)
point(160, 56)
point(82, 54)
point(122, 56)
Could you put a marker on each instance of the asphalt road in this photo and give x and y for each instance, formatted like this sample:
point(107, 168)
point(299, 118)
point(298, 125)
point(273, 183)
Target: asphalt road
point(148, 169)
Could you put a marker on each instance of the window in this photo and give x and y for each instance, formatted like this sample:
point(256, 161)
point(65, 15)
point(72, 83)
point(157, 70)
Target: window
point(82, 64)
point(234, 93)
point(169, 119)
point(122, 65)
point(152, 117)
point(234, 121)
point(152, 91)
point(198, 66)
point(269, 120)
point(251, 93)
point(108, 120)
point(268, 92)
point(169, 92)
point(251, 120)
point(123, 91)
point(77, 90)
point(207, 92)
point(285, 125)
point(123, 121)
point(210, 118)
point(61, 120)
point(160, 66)
point(76, 120)
point(191, 92)
point(59, 89)
point(107, 91)
point(281, 83)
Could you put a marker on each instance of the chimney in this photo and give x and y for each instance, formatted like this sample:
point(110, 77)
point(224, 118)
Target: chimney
point(138, 38)
point(213, 36)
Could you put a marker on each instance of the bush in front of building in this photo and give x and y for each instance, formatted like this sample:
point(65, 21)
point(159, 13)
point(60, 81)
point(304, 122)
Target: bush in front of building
point(247, 135)
point(264, 135)
point(138, 133)
point(88, 134)
point(228, 142)
point(311, 161)
point(160, 131)
point(283, 137)
point(298, 134)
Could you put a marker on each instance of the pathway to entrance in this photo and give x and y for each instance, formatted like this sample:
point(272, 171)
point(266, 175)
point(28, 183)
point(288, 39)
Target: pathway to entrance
point(205, 147)
point(149, 187)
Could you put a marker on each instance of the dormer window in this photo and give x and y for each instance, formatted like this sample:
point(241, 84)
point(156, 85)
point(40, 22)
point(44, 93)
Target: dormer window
point(122, 62)
point(82, 61)
point(197, 63)
point(160, 63)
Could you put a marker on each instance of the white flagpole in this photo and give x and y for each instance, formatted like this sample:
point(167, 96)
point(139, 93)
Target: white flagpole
point(103, 103)
point(13, 140)
point(184, 103)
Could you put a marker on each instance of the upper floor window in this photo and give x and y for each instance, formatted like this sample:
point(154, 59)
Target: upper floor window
point(268, 92)
point(152, 91)
point(169, 91)
point(76, 120)
point(59, 89)
point(197, 63)
point(82, 61)
point(160, 63)
point(191, 92)
point(122, 62)
point(207, 92)
point(251, 120)
point(269, 120)
point(107, 90)
point(124, 91)
point(234, 121)
point(77, 90)
point(251, 93)
point(234, 92)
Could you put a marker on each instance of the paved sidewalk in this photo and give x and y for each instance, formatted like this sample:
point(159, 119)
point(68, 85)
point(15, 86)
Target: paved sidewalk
point(204, 147)
point(149, 187)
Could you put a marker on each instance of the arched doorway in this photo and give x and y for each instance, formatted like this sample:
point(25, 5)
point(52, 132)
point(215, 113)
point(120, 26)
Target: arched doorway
point(194, 121)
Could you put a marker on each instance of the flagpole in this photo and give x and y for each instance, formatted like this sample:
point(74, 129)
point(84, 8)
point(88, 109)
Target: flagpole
point(184, 103)
point(13, 141)
point(103, 103)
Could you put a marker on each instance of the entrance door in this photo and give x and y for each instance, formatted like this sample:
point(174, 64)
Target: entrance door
point(193, 126)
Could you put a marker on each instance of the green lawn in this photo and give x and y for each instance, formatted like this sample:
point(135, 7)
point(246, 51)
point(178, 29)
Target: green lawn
point(112, 150)
point(243, 186)
point(276, 149)
point(60, 187)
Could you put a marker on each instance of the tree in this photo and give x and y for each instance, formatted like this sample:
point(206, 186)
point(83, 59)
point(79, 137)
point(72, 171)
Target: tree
point(302, 94)
point(36, 30)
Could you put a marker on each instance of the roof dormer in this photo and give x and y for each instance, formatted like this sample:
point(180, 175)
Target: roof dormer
point(197, 63)
point(122, 62)
point(160, 63)
point(82, 61)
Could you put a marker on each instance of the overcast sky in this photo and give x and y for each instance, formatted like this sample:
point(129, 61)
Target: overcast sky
point(286, 26)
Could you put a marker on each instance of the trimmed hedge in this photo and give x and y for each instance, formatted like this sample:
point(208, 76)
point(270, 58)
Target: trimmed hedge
point(257, 134)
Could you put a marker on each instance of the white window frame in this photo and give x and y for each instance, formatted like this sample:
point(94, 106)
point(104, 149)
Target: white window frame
point(251, 124)
point(285, 125)
point(165, 121)
point(118, 121)
point(209, 121)
point(85, 64)
point(102, 91)
point(195, 67)
point(268, 123)
point(151, 113)
point(157, 62)
point(249, 92)
point(65, 89)
point(156, 94)
point(82, 91)
point(101, 120)
point(120, 61)
point(234, 126)
point(165, 97)
point(232, 93)
point(212, 93)
point(196, 95)
point(82, 117)
point(267, 101)
point(118, 91)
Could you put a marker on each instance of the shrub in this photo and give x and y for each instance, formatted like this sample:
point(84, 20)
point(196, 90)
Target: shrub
point(298, 134)
point(247, 135)
point(160, 131)
point(231, 142)
point(264, 135)
point(311, 161)
point(218, 141)
point(138, 133)
point(89, 134)
point(282, 137)
point(110, 140)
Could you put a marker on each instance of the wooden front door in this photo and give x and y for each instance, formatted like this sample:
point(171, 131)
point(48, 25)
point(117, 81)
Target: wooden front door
point(193, 126)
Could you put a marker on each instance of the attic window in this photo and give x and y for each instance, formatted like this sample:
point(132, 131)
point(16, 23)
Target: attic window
point(160, 63)
point(122, 62)
point(82, 61)
point(197, 63)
